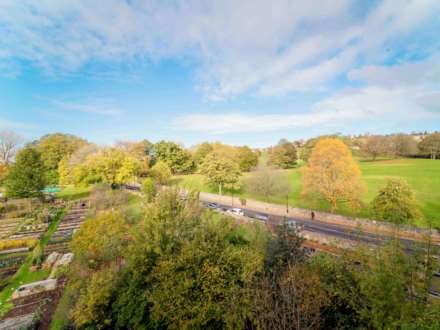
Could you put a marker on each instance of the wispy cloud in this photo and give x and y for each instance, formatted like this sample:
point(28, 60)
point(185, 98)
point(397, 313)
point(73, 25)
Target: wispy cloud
point(12, 124)
point(104, 107)
point(405, 93)
point(270, 48)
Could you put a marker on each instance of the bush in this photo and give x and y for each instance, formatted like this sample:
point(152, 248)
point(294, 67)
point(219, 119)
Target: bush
point(18, 243)
point(148, 189)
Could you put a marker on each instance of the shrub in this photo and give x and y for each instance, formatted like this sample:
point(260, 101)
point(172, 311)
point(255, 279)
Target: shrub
point(17, 243)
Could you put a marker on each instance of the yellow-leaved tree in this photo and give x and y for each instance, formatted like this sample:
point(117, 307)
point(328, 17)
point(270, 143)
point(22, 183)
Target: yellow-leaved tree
point(333, 174)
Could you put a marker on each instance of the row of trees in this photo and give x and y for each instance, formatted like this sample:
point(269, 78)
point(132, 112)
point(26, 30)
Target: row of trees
point(66, 159)
point(180, 267)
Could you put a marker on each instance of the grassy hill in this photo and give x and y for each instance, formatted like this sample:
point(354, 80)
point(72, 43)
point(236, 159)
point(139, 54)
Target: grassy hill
point(423, 175)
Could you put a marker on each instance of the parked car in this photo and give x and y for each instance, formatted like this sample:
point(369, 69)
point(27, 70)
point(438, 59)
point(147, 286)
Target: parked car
point(213, 206)
point(236, 211)
point(262, 217)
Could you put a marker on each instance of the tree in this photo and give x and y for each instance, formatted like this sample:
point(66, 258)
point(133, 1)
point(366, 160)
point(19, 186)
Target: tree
point(403, 145)
point(293, 300)
point(431, 145)
point(177, 158)
point(375, 145)
point(161, 173)
point(396, 203)
point(246, 158)
point(3, 173)
point(284, 155)
point(267, 183)
point(55, 147)
point(9, 141)
point(109, 165)
point(202, 150)
point(332, 174)
point(148, 189)
point(176, 268)
point(26, 178)
point(220, 171)
point(139, 151)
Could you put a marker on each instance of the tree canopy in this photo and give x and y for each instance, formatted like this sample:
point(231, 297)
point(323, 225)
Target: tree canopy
point(284, 155)
point(26, 177)
point(431, 145)
point(396, 203)
point(220, 171)
point(333, 174)
point(55, 147)
point(178, 159)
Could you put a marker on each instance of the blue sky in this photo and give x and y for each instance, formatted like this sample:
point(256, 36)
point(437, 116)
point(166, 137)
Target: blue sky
point(241, 72)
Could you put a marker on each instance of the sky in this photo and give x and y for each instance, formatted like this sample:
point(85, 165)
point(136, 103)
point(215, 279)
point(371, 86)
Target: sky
point(237, 71)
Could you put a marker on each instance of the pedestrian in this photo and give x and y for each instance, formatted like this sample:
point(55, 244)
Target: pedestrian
point(313, 215)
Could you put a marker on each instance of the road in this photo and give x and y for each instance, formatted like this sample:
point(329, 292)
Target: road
point(324, 228)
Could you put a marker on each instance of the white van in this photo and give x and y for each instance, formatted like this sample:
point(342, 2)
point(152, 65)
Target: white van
point(236, 211)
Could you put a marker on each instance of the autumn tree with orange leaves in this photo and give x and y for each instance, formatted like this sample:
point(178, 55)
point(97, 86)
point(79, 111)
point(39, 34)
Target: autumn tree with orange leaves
point(333, 174)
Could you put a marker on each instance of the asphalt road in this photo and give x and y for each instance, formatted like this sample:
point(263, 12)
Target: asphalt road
point(324, 228)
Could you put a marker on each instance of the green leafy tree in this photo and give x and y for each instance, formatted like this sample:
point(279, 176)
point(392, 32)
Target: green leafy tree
point(284, 155)
point(161, 173)
point(53, 148)
point(177, 158)
point(220, 171)
point(148, 189)
point(26, 178)
point(180, 270)
point(431, 145)
point(396, 203)
point(246, 158)
point(202, 150)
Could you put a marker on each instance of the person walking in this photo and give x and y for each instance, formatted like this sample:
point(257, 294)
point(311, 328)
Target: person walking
point(312, 215)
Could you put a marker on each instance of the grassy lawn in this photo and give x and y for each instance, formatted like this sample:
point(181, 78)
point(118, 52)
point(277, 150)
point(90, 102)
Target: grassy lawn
point(71, 192)
point(24, 275)
point(423, 175)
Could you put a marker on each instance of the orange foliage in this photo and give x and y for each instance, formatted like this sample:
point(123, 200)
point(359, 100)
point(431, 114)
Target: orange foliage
point(333, 174)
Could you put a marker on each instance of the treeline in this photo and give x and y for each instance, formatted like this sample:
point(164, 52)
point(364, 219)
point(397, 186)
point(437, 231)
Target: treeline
point(63, 159)
point(177, 266)
point(373, 146)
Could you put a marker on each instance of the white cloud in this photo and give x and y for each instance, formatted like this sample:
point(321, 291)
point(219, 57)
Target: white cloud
point(271, 47)
point(406, 93)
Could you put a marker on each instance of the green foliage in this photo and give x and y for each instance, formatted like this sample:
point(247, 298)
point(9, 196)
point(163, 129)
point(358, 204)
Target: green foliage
point(55, 147)
point(284, 249)
point(201, 152)
point(220, 171)
point(177, 158)
point(396, 203)
point(161, 173)
point(381, 289)
point(148, 189)
point(26, 178)
point(110, 165)
point(284, 155)
point(182, 269)
point(246, 158)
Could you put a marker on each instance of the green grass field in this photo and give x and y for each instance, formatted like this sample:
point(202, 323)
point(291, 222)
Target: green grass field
point(423, 175)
